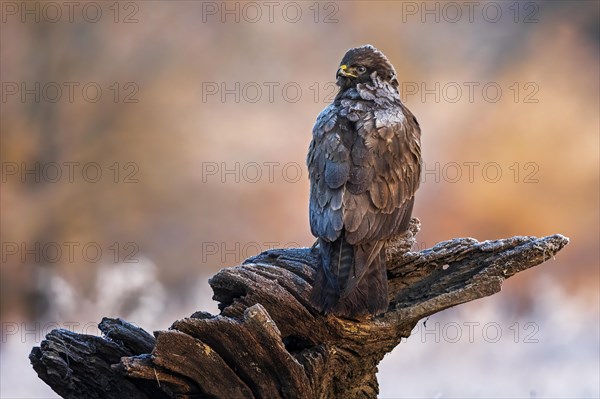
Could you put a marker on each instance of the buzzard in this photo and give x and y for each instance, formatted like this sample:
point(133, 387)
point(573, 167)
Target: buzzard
point(364, 164)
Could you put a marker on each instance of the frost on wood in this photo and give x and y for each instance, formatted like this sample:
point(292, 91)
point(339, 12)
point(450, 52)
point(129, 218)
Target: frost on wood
point(268, 342)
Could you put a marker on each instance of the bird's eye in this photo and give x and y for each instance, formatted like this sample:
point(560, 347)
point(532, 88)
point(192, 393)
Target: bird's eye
point(361, 69)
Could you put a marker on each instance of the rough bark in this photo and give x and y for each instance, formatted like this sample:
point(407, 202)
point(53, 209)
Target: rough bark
point(268, 342)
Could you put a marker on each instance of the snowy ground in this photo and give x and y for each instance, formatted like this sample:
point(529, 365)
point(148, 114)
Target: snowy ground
point(479, 350)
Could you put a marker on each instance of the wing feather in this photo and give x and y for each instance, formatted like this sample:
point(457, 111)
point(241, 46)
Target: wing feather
point(329, 169)
point(364, 172)
point(388, 164)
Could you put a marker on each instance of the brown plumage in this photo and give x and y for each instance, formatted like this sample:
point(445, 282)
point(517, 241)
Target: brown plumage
point(364, 165)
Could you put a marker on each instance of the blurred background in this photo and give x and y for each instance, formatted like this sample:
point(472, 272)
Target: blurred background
point(146, 145)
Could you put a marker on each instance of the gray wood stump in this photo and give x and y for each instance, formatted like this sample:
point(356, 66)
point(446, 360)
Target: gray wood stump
point(268, 342)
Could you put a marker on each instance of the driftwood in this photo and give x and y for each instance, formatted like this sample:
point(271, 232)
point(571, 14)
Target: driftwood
point(268, 342)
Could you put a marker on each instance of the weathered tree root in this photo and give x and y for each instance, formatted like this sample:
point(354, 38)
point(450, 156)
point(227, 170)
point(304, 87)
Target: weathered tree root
point(268, 342)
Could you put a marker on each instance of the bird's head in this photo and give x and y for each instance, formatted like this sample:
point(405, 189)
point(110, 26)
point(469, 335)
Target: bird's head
point(358, 66)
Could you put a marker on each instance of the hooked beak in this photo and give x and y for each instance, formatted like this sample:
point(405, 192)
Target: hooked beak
point(345, 72)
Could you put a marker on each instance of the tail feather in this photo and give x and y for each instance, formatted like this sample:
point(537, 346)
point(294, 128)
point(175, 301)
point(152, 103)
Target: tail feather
point(352, 280)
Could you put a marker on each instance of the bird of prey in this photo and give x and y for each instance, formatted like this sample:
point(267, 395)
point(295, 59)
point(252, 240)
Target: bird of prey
point(364, 164)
